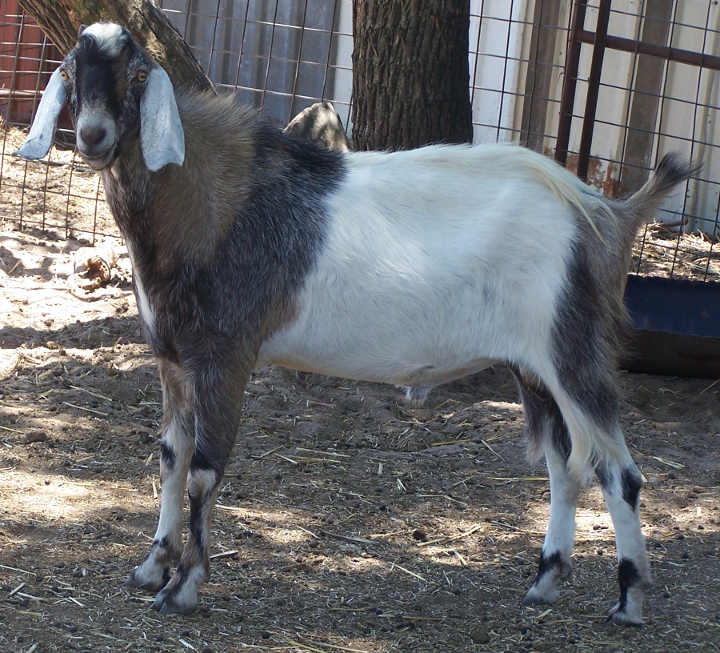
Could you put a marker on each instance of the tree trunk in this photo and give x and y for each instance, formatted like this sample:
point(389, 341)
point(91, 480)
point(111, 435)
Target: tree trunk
point(410, 73)
point(61, 19)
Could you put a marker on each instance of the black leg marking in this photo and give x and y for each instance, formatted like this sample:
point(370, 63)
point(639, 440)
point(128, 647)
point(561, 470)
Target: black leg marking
point(202, 461)
point(628, 576)
point(196, 519)
point(554, 561)
point(165, 558)
point(631, 484)
point(167, 454)
point(163, 600)
point(552, 570)
point(162, 543)
point(605, 476)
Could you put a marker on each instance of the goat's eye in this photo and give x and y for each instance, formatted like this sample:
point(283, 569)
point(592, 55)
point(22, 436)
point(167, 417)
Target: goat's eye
point(64, 74)
point(141, 75)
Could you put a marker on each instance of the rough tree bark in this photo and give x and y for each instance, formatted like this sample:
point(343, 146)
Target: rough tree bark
point(410, 73)
point(61, 19)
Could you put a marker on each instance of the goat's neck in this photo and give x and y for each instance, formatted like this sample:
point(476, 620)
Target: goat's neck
point(127, 190)
point(157, 212)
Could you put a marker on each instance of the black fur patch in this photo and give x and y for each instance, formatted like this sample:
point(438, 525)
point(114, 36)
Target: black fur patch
point(631, 484)
point(162, 542)
point(584, 335)
point(541, 410)
point(196, 519)
point(554, 561)
point(627, 577)
point(167, 453)
point(200, 461)
point(605, 476)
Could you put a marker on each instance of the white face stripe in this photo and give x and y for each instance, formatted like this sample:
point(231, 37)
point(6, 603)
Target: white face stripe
point(109, 37)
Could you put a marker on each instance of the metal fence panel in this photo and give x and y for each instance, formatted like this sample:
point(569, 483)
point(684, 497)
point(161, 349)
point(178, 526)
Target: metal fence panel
point(531, 75)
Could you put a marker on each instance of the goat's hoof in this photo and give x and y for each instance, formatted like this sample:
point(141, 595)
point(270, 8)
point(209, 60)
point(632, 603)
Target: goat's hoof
point(535, 597)
point(622, 616)
point(166, 603)
point(135, 580)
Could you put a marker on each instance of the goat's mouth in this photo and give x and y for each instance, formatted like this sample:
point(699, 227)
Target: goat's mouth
point(99, 161)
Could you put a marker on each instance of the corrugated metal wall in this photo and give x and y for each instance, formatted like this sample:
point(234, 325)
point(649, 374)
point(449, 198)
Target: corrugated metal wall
point(24, 52)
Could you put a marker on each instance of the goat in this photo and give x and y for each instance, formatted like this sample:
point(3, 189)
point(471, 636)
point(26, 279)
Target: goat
point(320, 123)
point(249, 247)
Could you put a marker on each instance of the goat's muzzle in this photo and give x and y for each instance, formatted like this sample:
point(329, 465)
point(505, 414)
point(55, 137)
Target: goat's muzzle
point(96, 138)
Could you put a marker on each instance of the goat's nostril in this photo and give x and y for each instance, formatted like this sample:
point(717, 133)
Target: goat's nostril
point(92, 135)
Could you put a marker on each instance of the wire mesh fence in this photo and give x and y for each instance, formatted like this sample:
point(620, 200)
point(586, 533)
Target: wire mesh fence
point(605, 87)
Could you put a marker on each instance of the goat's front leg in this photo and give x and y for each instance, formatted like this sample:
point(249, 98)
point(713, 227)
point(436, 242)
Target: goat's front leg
point(176, 447)
point(216, 418)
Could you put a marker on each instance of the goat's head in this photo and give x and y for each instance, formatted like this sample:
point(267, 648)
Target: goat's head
point(116, 92)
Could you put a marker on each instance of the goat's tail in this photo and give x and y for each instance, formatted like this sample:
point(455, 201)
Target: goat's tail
point(671, 170)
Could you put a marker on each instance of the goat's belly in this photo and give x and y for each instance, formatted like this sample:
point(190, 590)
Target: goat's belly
point(364, 358)
point(428, 375)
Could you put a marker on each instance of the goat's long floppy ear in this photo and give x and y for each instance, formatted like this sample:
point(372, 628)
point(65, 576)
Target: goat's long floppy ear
point(42, 132)
point(161, 134)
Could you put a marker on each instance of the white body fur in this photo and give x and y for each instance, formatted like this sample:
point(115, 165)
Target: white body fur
point(409, 286)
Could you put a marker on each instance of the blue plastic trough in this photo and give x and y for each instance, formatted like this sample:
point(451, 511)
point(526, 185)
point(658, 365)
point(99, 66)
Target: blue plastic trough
point(676, 327)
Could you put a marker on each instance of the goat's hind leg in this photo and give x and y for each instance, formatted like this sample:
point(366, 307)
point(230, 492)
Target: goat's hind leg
point(621, 482)
point(593, 414)
point(547, 433)
point(176, 446)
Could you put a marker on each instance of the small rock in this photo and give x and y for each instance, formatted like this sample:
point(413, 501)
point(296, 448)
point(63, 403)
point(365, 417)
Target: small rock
point(36, 436)
point(419, 535)
point(480, 635)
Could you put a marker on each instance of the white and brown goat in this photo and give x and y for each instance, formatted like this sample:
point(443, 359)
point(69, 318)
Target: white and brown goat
point(250, 246)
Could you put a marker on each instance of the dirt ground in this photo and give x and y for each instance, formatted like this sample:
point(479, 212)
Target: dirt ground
point(347, 521)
